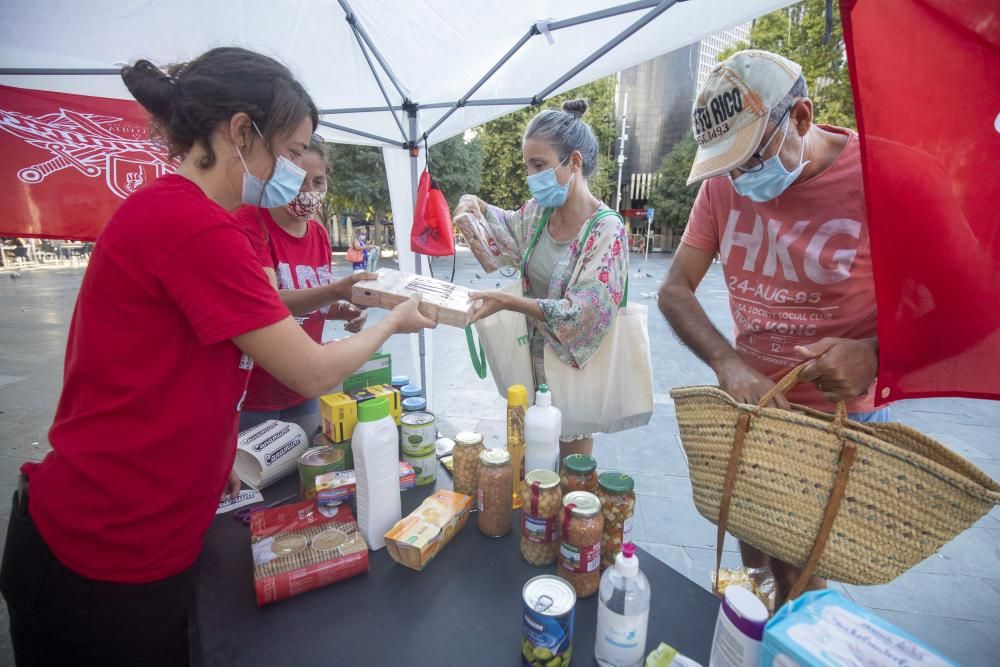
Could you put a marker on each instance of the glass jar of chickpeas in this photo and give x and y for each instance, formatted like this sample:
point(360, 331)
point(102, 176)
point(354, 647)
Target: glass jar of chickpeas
point(494, 502)
point(541, 501)
point(582, 525)
point(617, 495)
point(579, 473)
point(465, 457)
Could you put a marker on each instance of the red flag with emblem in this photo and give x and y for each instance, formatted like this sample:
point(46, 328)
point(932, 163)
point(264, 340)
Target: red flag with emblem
point(927, 98)
point(68, 161)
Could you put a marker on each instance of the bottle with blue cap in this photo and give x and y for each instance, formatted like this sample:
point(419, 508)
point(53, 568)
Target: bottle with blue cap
point(376, 471)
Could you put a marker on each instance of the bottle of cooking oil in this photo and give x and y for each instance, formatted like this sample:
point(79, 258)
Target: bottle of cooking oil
point(517, 403)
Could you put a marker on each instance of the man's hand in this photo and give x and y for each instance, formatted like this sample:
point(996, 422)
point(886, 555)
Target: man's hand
point(232, 486)
point(841, 368)
point(342, 288)
point(745, 384)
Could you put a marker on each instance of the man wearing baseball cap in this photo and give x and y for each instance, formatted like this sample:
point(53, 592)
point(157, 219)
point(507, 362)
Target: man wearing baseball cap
point(782, 202)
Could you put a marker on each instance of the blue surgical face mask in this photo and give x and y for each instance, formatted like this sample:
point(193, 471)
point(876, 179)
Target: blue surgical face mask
point(772, 179)
point(281, 188)
point(546, 190)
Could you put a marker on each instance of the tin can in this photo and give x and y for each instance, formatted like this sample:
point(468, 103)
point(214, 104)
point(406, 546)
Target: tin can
point(547, 617)
point(418, 432)
point(424, 464)
point(321, 440)
point(316, 461)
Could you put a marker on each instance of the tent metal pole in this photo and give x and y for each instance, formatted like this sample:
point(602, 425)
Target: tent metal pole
point(511, 101)
point(508, 101)
point(532, 31)
point(378, 81)
point(363, 35)
point(661, 7)
point(603, 14)
point(361, 133)
point(330, 112)
point(55, 71)
point(414, 149)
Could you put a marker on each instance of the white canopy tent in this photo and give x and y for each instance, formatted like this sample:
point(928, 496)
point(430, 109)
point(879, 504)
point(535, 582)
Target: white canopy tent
point(389, 73)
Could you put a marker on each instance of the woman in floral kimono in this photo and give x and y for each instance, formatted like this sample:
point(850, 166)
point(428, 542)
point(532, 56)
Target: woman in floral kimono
point(573, 281)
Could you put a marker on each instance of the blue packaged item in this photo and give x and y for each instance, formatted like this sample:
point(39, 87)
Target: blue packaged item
point(825, 628)
point(411, 391)
point(414, 404)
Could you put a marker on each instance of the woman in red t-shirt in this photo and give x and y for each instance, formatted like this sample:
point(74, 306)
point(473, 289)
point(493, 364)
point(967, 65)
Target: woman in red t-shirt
point(99, 564)
point(294, 250)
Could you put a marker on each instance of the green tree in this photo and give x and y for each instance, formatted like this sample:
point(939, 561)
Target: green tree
point(457, 166)
point(503, 176)
point(671, 197)
point(798, 32)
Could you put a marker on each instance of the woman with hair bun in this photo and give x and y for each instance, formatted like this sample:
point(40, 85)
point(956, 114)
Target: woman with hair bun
point(99, 566)
point(574, 281)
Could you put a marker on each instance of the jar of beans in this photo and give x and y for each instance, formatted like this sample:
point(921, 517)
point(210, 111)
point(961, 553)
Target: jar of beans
point(582, 525)
point(541, 501)
point(616, 491)
point(465, 456)
point(495, 504)
point(579, 473)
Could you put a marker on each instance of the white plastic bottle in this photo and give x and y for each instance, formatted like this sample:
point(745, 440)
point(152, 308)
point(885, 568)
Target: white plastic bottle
point(376, 471)
point(622, 612)
point(739, 629)
point(542, 428)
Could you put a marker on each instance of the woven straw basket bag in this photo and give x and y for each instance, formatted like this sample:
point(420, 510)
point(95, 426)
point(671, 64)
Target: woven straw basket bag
point(858, 503)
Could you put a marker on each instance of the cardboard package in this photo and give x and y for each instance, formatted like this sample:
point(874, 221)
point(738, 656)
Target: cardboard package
point(339, 412)
point(297, 548)
point(418, 537)
point(443, 302)
point(377, 370)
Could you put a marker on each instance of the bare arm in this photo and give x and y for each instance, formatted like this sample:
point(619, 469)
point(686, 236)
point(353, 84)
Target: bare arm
point(304, 301)
point(681, 309)
point(492, 302)
point(285, 351)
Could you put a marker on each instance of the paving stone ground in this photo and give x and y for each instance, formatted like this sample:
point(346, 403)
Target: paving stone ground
point(951, 600)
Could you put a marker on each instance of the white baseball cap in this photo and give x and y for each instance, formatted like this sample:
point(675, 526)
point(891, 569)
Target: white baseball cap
point(731, 110)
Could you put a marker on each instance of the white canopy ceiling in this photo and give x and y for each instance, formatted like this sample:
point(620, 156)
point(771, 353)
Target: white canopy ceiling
point(436, 49)
point(428, 53)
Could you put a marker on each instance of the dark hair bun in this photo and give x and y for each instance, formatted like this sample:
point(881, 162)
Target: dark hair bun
point(151, 87)
point(575, 107)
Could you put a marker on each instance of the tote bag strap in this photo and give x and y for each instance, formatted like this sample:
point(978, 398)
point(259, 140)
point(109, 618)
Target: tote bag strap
point(478, 355)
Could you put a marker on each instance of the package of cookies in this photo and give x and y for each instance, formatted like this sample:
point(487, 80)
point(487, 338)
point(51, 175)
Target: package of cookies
point(418, 537)
point(300, 547)
point(443, 302)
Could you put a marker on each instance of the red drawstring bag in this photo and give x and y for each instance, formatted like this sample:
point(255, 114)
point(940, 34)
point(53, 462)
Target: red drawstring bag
point(431, 233)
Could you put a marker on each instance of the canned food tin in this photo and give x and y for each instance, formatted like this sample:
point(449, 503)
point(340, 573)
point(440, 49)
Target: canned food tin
point(418, 432)
point(424, 465)
point(316, 461)
point(547, 636)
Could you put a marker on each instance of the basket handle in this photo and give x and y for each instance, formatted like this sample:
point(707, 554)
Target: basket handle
point(785, 384)
point(848, 450)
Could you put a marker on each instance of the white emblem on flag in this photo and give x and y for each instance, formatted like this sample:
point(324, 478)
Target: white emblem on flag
point(92, 144)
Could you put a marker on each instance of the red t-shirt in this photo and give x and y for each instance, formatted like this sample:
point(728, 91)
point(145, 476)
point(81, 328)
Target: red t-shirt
point(798, 268)
point(145, 432)
point(300, 263)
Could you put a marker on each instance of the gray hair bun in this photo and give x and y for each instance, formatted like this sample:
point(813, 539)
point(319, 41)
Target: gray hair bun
point(575, 107)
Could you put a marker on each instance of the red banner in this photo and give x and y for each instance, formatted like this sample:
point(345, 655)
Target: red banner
point(928, 108)
point(68, 161)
